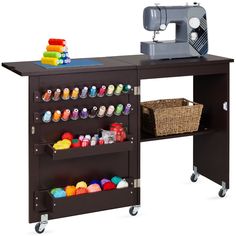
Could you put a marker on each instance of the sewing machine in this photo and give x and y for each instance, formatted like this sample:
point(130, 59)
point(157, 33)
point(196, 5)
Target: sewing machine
point(191, 31)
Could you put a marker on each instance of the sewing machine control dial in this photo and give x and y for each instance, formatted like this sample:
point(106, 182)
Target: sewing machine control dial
point(194, 36)
point(194, 22)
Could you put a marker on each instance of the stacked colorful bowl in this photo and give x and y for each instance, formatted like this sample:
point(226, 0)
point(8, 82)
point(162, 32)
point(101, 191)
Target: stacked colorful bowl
point(56, 54)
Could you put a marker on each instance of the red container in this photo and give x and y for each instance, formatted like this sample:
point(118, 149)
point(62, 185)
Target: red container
point(119, 130)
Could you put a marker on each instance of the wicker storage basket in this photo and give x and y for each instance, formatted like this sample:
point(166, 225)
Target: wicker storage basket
point(170, 116)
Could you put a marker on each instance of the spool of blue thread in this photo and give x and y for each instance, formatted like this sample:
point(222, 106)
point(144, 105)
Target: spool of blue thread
point(95, 182)
point(84, 92)
point(93, 92)
point(47, 117)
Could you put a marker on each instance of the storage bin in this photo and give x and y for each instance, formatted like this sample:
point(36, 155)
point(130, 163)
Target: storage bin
point(170, 116)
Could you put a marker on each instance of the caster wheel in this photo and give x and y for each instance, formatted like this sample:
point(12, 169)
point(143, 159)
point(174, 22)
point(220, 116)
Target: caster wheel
point(37, 229)
point(133, 211)
point(222, 193)
point(194, 178)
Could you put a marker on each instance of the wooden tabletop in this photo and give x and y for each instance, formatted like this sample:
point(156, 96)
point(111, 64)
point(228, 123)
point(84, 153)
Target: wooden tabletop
point(29, 68)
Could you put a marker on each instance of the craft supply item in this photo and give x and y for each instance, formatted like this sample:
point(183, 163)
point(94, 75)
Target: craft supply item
point(56, 116)
point(58, 193)
point(88, 136)
point(116, 180)
point(93, 141)
point(66, 94)
point(126, 88)
point(122, 184)
point(93, 92)
point(81, 184)
point(70, 190)
point(96, 136)
point(84, 113)
point(101, 141)
point(84, 92)
point(103, 181)
point(85, 142)
point(127, 109)
point(56, 95)
point(75, 93)
point(64, 55)
point(75, 143)
point(52, 54)
point(47, 95)
point(80, 191)
point(110, 90)
point(108, 136)
point(56, 48)
point(108, 186)
point(75, 114)
point(60, 61)
point(101, 111)
point(81, 138)
point(67, 135)
point(53, 41)
point(110, 111)
point(65, 115)
point(47, 117)
point(93, 188)
point(119, 130)
point(66, 60)
point(102, 91)
point(62, 144)
point(50, 61)
point(118, 89)
point(93, 112)
point(119, 109)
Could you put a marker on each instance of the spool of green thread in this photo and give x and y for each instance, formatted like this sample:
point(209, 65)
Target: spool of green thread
point(119, 109)
point(52, 54)
point(126, 88)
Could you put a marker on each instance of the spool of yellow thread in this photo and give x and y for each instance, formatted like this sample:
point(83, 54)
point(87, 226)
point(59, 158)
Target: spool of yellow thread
point(56, 48)
point(50, 61)
point(75, 93)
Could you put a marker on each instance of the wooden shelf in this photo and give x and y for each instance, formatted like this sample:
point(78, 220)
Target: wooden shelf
point(145, 137)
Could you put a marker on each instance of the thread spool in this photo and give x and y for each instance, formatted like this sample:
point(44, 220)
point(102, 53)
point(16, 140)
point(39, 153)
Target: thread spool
point(75, 93)
point(52, 54)
point(66, 60)
point(84, 92)
point(110, 90)
point(93, 188)
point(64, 55)
point(84, 113)
point(75, 114)
point(119, 110)
point(93, 112)
point(118, 89)
point(108, 186)
point(122, 184)
point(110, 111)
point(56, 95)
point(93, 92)
point(127, 109)
point(126, 88)
point(116, 180)
point(47, 95)
point(56, 48)
point(93, 141)
point(101, 111)
point(66, 94)
point(53, 41)
point(65, 115)
point(104, 180)
point(81, 184)
point(102, 91)
point(47, 117)
point(50, 61)
point(56, 116)
point(88, 136)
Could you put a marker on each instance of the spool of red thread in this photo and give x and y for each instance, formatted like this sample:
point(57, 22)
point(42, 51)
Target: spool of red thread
point(61, 42)
point(108, 186)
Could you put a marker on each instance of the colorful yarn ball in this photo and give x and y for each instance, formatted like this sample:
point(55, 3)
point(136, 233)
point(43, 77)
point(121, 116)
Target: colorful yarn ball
point(80, 191)
point(108, 186)
point(70, 190)
point(81, 184)
point(122, 184)
point(116, 180)
point(67, 135)
point(103, 181)
point(93, 188)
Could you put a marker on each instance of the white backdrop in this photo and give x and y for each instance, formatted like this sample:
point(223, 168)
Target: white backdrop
point(171, 204)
